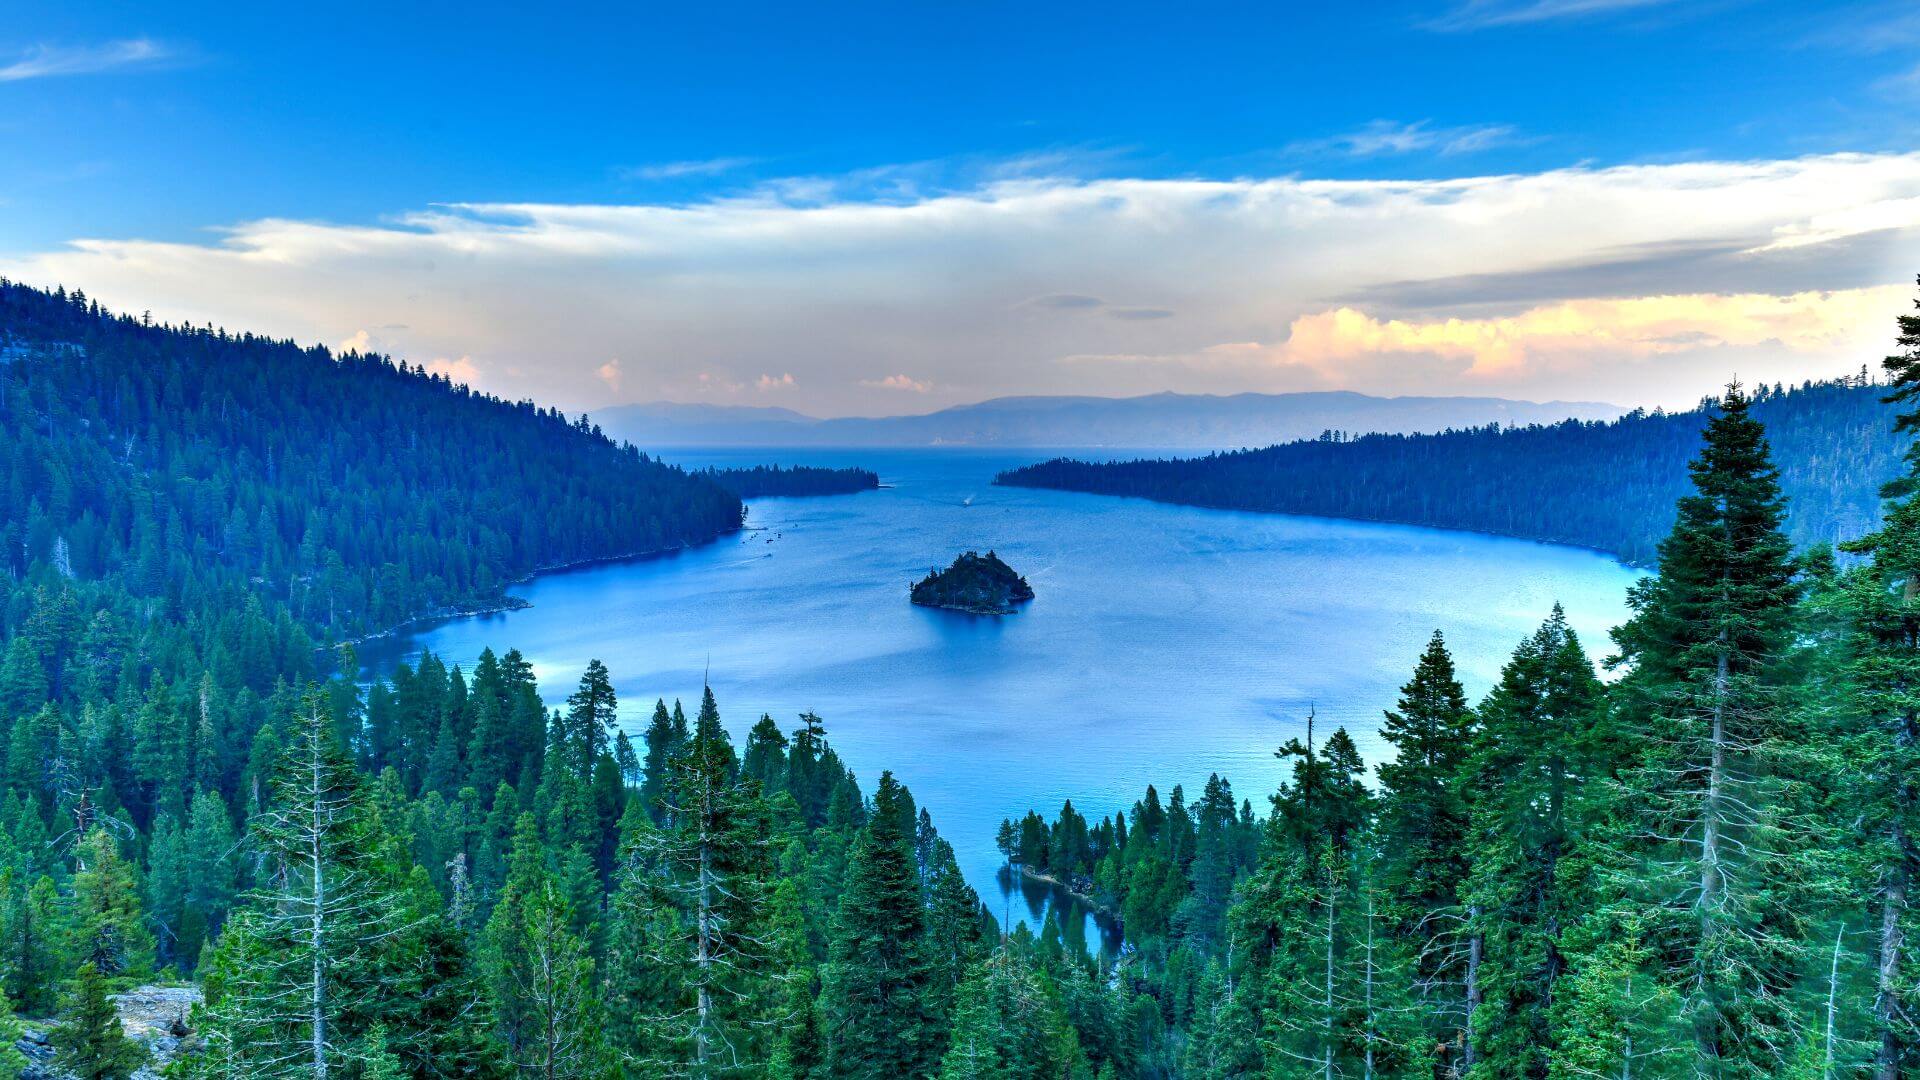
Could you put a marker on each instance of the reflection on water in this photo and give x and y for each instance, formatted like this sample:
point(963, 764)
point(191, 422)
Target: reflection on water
point(1046, 905)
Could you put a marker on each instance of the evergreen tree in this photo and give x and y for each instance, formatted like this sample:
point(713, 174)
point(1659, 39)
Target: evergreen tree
point(109, 931)
point(592, 713)
point(1422, 836)
point(693, 898)
point(1301, 910)
point(1880, 656)
point(875, 1002)
point(92, 1044)
point(1532, 780)
point(290, 982)
point(543, 977)
point(1008, 1026)
point(1706, 790)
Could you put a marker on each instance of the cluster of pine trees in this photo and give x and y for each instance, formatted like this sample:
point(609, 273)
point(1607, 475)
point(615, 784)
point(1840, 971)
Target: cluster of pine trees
point(765, 481)
point(1609, 485)
point(1702, 868)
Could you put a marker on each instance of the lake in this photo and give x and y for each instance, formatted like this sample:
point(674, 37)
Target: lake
point(1166, 642)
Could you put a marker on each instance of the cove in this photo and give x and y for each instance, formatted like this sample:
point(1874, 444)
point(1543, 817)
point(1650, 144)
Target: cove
point(1165, 643)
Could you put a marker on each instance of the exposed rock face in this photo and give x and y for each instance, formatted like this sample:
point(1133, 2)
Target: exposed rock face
point(154, 1016)
point(976, 583)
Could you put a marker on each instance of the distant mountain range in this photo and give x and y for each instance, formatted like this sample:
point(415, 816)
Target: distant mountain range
point(1168, 420)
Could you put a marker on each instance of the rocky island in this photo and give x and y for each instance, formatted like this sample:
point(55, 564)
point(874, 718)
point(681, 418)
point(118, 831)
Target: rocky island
point(976, 583)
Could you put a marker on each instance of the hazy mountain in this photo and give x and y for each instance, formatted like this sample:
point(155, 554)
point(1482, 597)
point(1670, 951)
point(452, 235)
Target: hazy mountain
point(1156, 420)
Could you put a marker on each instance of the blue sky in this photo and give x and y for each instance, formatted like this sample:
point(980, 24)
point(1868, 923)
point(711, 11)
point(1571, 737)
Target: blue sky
point(146, 143)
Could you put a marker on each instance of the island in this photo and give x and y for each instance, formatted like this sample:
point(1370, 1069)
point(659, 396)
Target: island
point(980, 584)
point(765, 481)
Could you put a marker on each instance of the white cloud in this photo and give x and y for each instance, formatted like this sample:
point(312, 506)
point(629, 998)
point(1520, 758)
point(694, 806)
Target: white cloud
point(984, 290)
point(680, 170)
point(899, 382)
point(1386, 137)
point(1480, 14)
point(360, 342)
point(774, 382)
point(45, 61)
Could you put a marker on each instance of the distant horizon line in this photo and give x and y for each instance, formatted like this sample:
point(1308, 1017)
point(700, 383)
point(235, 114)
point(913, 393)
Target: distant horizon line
point(1001, 398)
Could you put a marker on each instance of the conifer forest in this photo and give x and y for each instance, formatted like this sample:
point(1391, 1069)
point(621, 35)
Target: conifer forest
point(1695, 861)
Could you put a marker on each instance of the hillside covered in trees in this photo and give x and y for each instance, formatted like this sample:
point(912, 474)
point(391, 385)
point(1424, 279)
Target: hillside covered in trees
point(178, 470)
point(1609, 485)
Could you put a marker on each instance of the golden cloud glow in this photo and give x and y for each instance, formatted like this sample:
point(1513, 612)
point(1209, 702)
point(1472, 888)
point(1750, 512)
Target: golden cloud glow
point(1631, 328)
point(462, 370)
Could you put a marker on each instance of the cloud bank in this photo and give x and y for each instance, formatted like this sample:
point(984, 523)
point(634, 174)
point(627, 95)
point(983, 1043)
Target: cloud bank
point(1638, 283)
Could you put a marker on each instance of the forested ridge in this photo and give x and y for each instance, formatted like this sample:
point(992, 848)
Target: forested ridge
point(1609, 485)
point(189, 470)
point(1700, 868)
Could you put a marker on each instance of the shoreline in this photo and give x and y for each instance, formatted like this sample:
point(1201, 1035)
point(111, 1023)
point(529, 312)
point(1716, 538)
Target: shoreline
point(1100, 909)
point(1200, 505)
point(515, 603)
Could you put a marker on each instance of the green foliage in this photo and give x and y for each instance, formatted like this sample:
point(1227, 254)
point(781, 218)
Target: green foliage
point(878, 976)
point(92, 1044)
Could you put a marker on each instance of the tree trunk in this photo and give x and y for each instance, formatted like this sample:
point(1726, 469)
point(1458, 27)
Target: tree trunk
point(1886, 1005)
point(1476, 948)
point(315, 935)
point(1833, 999)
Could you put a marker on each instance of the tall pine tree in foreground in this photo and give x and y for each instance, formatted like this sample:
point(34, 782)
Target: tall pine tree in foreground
point(1422, 835)
point(693, 912)
point(1881, 678)
point(1706, 797)
point(1530, 781)
point(880, 1025)
point(303, 956)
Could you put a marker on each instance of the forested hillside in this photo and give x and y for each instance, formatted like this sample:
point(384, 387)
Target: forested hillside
point(186, 470)
point(1608, 485)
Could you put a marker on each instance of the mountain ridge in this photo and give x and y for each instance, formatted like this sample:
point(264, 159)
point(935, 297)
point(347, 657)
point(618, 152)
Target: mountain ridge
point(1165, 419)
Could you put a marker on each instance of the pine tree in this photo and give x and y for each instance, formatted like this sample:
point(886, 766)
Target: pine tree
point(1007, 1026)
point(306, 952)
point(543, 977)
point(92, 1044)
point(30, 925)
point(1531, 781)
point(875, 996)
point(1881, 662)
point(662, 743)
point(592, 713)
point(1302, 911)
point(109, 930)
point(1701, 698)
point(1422, 836)
point(693, 900)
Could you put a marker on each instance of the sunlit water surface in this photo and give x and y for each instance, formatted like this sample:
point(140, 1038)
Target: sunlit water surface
point(1166, 642)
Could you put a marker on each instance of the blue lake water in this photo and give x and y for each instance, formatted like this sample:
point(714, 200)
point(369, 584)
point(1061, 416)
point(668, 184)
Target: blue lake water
point(1165, 643)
